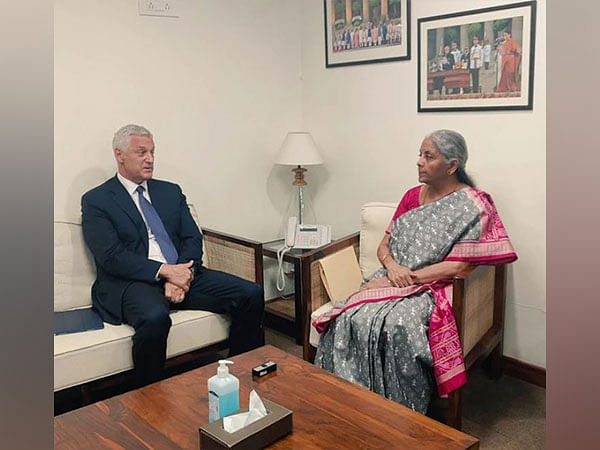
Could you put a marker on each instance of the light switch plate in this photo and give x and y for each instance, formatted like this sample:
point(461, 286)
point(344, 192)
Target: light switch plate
point(165, 8)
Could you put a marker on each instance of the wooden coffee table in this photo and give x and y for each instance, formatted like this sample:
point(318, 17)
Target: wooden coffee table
point(328, 412)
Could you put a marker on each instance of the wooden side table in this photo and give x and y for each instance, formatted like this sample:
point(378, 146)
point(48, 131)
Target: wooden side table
point(279, 318)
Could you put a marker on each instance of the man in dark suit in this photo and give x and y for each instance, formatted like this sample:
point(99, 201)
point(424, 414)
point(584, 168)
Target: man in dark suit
point(148, 253)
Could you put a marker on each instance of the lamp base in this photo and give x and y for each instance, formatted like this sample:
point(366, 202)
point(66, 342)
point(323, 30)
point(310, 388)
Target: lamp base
point(299, 205)
point(299, 176)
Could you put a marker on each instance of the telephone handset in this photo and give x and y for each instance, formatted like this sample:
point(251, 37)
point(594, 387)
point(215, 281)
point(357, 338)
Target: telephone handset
point(300, 236)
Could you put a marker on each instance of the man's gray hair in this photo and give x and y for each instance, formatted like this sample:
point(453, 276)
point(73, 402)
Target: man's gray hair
point(121, 138)
point(452, 145)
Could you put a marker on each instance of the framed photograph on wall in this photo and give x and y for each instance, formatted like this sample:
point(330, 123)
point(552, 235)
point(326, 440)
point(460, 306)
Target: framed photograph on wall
point(477, 60)
point(366, 31)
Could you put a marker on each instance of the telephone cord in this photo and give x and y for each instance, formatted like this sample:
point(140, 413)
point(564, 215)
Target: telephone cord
point(280, 275)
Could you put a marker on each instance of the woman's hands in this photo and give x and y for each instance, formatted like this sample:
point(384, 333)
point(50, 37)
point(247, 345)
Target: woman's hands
point(398, 275)
point(382, 282)
point(404, 277)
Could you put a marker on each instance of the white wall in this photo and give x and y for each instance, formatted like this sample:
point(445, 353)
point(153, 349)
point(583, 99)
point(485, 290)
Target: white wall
point(365, 119)
point(219, 87)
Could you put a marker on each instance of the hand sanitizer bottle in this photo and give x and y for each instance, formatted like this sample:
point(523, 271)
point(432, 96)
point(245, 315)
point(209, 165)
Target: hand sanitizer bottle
point(223, 393)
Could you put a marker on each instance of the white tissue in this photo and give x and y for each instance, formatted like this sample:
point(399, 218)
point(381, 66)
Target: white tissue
point(256, 410)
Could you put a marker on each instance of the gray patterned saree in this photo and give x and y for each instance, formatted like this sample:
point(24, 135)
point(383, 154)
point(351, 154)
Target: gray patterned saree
point(400, 342)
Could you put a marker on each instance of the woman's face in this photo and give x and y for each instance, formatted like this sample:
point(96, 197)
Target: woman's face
point(431, 164)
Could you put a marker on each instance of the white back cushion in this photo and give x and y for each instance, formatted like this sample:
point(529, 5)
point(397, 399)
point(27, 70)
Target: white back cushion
point(374, 219)
point(74, 268)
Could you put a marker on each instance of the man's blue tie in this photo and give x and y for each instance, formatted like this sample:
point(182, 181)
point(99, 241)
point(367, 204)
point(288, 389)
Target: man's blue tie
point(157, 228)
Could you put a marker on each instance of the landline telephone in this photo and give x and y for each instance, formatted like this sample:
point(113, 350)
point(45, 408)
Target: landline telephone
point(306, 236)
point(300, 236)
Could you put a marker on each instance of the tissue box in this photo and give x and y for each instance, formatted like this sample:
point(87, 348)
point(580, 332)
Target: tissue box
point(276, 424)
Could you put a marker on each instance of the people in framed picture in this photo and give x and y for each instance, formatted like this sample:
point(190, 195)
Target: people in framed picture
point(487, 53)
point(509, 66)
point(475, 63)
point(455, 52)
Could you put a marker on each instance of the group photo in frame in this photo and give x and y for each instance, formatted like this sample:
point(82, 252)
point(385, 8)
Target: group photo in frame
point(477, 60)
point(366, 31)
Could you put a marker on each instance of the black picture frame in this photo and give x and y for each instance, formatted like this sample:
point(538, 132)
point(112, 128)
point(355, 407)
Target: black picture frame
point(397, 48)
point(509, 87)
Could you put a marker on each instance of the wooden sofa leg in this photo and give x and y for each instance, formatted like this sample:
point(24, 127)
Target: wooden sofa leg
point(494, 363)
point(454, 412)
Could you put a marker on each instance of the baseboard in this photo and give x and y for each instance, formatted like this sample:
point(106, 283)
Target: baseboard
point(524, 371)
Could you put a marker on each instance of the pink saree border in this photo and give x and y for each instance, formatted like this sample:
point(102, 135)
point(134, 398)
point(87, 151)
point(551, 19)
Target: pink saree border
point(448, 363)
point(365, 296)
point(481, 249)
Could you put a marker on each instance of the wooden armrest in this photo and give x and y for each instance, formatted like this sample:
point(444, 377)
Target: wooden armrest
point(234, 254)
point(231, 238)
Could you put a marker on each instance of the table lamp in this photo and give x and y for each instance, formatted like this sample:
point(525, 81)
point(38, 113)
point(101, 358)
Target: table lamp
point(299, 149)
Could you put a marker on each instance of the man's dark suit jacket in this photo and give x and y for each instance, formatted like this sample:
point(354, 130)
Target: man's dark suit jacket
point(116, 234)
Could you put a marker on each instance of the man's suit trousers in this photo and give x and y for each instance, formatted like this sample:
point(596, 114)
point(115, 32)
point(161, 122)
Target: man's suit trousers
point(147, 309)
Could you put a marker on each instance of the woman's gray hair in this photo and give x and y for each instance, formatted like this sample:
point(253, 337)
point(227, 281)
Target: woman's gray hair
point(121, 138)
point(453, 147)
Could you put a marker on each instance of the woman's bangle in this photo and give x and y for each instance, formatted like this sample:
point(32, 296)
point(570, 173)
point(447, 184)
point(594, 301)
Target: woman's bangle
point(383, 259)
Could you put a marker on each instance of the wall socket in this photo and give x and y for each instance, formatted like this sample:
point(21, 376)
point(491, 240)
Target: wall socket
point(165, 8)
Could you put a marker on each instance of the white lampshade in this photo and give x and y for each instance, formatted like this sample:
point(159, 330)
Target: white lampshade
point(299, 149)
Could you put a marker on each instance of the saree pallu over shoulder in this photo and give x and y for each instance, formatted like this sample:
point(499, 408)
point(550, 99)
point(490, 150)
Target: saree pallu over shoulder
point(463, 226)
point(493, 246)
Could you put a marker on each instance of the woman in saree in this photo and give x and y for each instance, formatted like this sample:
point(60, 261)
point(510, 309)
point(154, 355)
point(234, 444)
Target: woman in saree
point(511, 60)
point(397, 335)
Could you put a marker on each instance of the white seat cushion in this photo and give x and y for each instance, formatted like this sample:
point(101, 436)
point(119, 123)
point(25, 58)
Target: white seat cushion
point(87, 356)
point(314, 335)
point(374, 220)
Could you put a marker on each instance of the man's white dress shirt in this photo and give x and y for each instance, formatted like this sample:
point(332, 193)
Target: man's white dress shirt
point(154, 251)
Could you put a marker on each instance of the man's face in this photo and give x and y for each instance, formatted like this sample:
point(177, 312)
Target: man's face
point(454, 46)
point(136, 163)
